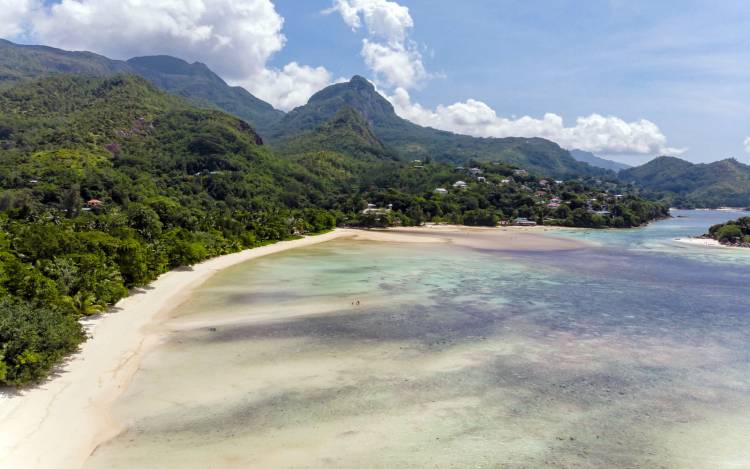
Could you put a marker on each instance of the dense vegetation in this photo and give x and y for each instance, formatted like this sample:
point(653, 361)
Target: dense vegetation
point(108, 182)
point(194, 82)
point(686, 185)
point(204, 88)
point(733, 233)
point(412, 141)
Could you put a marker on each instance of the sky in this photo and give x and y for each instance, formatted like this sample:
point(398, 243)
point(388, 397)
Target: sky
point(625, 79)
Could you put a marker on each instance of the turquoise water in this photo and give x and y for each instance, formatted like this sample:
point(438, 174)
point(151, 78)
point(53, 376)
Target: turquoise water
point(631, 353)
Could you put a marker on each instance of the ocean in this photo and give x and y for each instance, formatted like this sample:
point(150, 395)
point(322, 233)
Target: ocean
point(633, 351)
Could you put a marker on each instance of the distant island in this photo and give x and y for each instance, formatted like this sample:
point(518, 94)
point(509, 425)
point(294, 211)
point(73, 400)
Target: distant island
point(732, 233)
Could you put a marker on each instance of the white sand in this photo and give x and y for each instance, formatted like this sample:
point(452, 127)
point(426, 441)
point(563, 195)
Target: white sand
point(60, 422)
point(705, 242)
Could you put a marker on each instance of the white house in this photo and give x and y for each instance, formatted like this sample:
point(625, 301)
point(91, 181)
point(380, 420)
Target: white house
point(523, 222)
point(441, 191)
point(460, 185)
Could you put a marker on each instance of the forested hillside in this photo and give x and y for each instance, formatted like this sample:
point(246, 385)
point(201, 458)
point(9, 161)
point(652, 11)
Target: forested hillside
point(204, 88)
point(106, 183)
point(412, 141)
point(194, 82)
point(687, 185)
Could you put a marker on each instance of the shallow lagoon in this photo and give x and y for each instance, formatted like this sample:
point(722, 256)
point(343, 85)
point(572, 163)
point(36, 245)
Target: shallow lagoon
point(633, 353)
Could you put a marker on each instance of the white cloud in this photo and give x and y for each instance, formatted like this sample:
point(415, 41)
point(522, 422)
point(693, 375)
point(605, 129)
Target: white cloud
point(595, 133)
point(382, 18)
point(747, 144)
point(236, 38)
point(289, 87)
point(387, 51)
point(12, 16)
point(395, 63)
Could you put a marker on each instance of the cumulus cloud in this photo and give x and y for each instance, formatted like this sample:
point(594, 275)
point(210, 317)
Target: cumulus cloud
point(13, 14)
point(747, 144)
point(289, 87)
point(236, 38)
point(595, 133)
point(388, 52)
point(382, 18)
point(396, 64)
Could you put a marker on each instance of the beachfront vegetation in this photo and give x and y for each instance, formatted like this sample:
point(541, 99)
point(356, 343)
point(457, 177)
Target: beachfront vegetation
point(732, 233)
point(107, 183)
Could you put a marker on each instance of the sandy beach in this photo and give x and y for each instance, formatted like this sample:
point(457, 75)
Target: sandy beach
point(705, 242)
point(59, 423)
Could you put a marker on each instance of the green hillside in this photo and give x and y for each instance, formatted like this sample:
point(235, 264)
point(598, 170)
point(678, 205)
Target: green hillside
point(596, 161)
point(684, 184)
point(106, 183)
point(195, 82)
point(347, 132)
point(204, 88)
point(412, 141)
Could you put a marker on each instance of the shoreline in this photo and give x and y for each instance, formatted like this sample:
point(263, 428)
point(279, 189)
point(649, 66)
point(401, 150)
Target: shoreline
point(36, 422)
point(705, 242)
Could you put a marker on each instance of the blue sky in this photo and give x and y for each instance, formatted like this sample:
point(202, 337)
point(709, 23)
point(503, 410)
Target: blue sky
point(685, 65)
point(626, 79)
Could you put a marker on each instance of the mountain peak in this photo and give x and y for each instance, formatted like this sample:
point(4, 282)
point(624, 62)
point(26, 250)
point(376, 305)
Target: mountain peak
point(361, 82)
point(167, 64)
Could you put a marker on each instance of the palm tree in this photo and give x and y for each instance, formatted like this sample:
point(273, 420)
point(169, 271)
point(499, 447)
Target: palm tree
point(83, 304)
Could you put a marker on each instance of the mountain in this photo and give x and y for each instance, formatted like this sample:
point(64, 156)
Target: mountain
point(596, 161)
point(204, 88)
point(20, 62)
point(195, 82)
point(347, 133)
point(412, 141)
point(684, 184)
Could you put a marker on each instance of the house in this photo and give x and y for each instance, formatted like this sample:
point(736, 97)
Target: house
point(481, 179)
point(520, 172)
point(460, 185)
point(523, 222)
point(543, 182)
point(559, 182)
point(372, 208)
point(505, 181)
point(441, 191)
point(553, 205)
point(94, 203)
point(475, 171)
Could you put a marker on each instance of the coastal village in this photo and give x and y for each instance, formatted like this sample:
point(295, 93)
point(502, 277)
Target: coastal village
point(553, 200)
